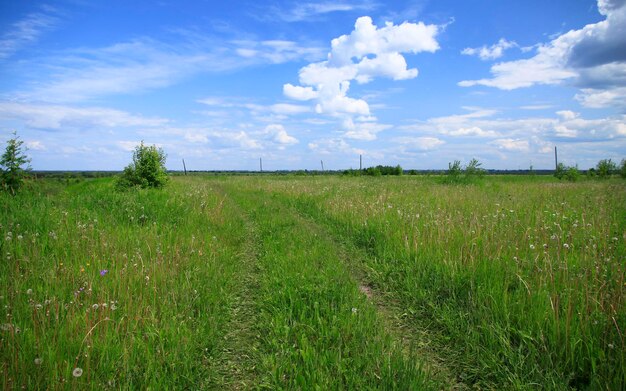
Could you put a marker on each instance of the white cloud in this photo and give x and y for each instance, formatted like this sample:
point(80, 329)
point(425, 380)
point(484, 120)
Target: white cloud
point(598, 98)
point(472, 131)
point(299, 93)
point(565, 126)
point(366, 53)
point(593, 58)
point(280, 135)
point(419, 143)
point(35, 145)
point(333, 145)
point(276, 51)
point(567, 114)
point(490, 52)
point(365, 131)
point(510, 144)
point(57, 116)
point(26, 31)
point(307, 12)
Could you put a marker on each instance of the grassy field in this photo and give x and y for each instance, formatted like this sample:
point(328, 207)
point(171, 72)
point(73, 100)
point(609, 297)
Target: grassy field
point(315, 283)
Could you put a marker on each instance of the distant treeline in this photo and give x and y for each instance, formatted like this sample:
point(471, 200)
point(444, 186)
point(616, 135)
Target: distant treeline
point(373, 171)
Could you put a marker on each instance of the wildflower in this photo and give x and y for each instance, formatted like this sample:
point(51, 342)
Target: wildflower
point(354, 310)
point(95, 306)
point(566, 246)
point(82, 269)
point(103, 272)
point(77, 372)
point(38, 361)
point(29, 291)
point(532, 246)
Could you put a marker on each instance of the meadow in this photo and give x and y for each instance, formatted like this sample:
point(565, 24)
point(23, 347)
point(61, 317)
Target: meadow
point(314, 282)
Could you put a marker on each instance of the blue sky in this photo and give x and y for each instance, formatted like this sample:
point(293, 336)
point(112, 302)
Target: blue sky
point(221, 84)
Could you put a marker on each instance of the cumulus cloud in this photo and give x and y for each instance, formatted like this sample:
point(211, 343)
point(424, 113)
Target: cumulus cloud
point(592, 58)
point(280, 135)
point(366, 53)
point(490, 52)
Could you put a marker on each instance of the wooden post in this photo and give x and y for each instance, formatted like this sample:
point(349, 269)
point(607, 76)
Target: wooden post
point(184, 167)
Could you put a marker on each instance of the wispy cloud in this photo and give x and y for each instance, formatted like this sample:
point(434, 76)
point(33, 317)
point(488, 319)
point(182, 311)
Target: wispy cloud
point(53, 117)
point(311, 11)
point(144, 64)
point(27, 31)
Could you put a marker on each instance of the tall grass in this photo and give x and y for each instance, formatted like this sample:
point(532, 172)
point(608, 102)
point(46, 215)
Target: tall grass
point(118, 290)
point(522, 280)
point(244, 282)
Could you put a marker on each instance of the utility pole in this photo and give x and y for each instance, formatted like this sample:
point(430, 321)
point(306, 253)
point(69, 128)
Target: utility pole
point(184, 167)
point(556, 160)
point(321, 161)
point(261, 163)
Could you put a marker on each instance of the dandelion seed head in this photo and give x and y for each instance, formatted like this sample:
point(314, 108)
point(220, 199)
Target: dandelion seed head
point(38, 361)
point(77, 372)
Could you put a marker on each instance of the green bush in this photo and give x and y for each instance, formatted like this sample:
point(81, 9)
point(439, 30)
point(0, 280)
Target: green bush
point(559, 173)
point(11, 165)
point(622, 169)
point(146, 170)
point(605, 168)
point(572, 174)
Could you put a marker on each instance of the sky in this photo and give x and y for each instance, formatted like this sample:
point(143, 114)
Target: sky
point(222, 84)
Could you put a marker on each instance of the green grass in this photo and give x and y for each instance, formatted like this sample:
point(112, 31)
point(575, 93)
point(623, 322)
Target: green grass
point(254, 282)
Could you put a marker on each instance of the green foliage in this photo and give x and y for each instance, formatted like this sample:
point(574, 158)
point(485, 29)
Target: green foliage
point(605, 168)
point(572, 174)
point(376, 171)
point(622, 169)
point(471, 173)
point(473, 169)
point(454, 169)
point(559, 173)
point(12, 165)
point(146, 170)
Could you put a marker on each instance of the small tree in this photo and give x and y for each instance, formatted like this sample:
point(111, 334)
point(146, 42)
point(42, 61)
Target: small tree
point(622, 169)
point(473, 169)
point(146, 170)
point(605, 168)
point(11, 164)
point(454, 169)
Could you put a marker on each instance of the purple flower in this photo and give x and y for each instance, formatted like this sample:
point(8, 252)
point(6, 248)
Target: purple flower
point(103, 272)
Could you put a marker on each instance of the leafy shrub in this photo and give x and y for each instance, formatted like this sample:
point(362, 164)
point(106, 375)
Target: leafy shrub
point(622, 169)
point(471, 173)
point(454, 169)
point(146, 170)
point(559, 173)
point(11, 165)
point(605, 168)
point(572, 174)
point(473, 169)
